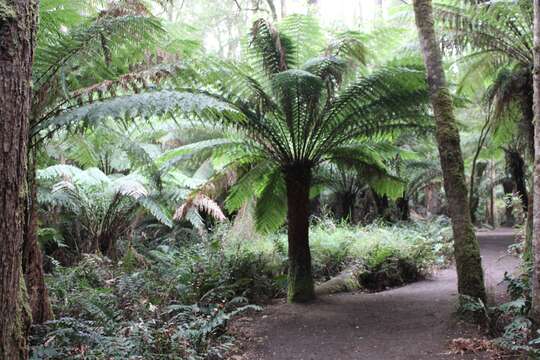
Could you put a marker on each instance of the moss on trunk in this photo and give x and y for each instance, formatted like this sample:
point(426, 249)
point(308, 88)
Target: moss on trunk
point(466, 247)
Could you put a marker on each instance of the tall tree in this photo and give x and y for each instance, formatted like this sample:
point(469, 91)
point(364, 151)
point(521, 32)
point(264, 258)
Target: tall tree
point(466, 247)
point(535, 309)
point(17, 37)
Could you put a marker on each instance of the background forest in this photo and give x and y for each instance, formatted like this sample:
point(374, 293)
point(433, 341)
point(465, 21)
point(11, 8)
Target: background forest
point(190, 161)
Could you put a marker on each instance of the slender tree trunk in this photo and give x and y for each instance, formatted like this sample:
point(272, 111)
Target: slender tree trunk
point(283, 8)
point(32, 257)
point(493, 216)
point(273, 11)
point(466, 247)
point(300, 287)
point(508, 187)
point(535, 308)
point(17, 38)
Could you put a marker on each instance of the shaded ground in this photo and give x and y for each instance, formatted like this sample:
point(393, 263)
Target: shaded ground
point(411, 322)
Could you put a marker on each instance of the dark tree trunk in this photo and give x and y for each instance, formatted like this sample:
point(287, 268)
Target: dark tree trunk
point(300, 281)
point(346, 206)
point(516, 167)
point(381, 203)
point(535, 308)
point(32, 257)
point(17, 38)
point(466, 247)
point(402, 205)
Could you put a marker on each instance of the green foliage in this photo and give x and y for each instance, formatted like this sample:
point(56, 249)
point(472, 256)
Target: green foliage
point(102, 207)
point(336, 246)
point(294, 115)
point(108, 313)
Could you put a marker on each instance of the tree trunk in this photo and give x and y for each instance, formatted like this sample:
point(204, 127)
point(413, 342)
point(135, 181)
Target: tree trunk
point(516, 167)
point(535, 308)
point(300, 282)
point(273, 11)
point(283, 8)
point(346, 206)
point(466, 247)
point(32, 257)
point(381, 204)
point(17, 37)
point(403, 208)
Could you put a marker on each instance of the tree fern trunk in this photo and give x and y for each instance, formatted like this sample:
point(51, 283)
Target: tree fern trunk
point(466, 247)
point(17, 37)
point(516, 168)
point(535, 308)
point(300, 282)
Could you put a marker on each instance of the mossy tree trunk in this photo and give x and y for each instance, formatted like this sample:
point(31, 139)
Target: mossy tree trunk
point(466, 247)
point(535, 308)
point(300, 280)
point(17, 39)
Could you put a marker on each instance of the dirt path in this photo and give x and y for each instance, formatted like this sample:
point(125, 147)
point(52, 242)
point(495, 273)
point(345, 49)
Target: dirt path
point(411, 322)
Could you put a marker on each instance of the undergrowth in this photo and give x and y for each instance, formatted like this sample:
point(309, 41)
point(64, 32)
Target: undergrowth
point(172, 297)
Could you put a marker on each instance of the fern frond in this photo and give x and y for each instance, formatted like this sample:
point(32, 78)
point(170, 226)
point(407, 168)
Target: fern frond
point(271, 204)
point(145, 105)
point(275, 50)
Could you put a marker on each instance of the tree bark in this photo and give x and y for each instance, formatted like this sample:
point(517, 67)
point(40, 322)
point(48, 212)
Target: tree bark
point(535, 308)
point(17, 38)
point(466, 247)
point(300, 281)
point(32, 260)
point(516, 167)
point(404, 212)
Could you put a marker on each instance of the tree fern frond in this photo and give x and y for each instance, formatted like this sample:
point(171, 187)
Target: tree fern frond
point(275, 50)
point(145, 105)
point(202, 203)
point(86, 40)
point(306, 36)
point(173, 156)
point(248, 186)
point(498, 27)
point(349, 46)
point(159, 212)
point(271, 204)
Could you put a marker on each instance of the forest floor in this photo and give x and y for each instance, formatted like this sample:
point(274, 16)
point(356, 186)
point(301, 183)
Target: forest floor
point(416, 321)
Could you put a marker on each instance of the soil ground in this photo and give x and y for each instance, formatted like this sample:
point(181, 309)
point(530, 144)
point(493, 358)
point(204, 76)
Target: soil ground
point(413, 322)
